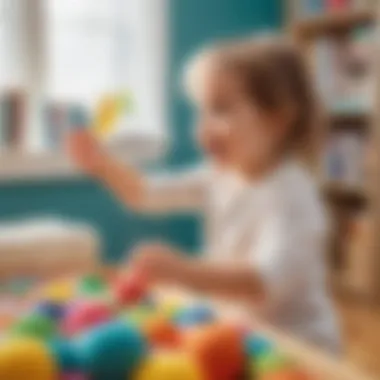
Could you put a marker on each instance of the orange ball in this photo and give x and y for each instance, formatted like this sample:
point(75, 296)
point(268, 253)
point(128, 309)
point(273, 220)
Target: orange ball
point(160, 332)
point(218, 349)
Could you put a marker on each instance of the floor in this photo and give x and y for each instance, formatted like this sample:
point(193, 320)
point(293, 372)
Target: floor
point(361, 328)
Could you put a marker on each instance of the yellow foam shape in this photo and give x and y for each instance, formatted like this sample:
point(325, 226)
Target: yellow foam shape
point(23, 359)
point(168, 365)
point(107, 114)
point(60, 291)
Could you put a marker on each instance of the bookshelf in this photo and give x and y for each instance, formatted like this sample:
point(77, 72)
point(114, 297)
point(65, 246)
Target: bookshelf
point(354, 256)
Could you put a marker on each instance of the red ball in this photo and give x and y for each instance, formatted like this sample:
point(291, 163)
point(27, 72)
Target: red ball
point(218, 349)
point(130, 289)
point(85, 315)
point(162, 333)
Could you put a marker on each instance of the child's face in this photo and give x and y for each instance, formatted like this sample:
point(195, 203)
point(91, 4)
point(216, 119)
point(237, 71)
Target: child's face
point(230, 128)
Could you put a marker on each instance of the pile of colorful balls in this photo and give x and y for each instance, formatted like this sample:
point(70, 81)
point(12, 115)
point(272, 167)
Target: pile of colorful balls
point(94, 329)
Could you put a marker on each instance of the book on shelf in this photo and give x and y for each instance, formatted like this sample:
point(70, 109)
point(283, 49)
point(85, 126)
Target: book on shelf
point(54, 123)
point(12, 119)
point(344, 159)
point(343, 72)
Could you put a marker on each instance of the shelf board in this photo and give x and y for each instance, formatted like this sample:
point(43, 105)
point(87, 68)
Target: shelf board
point(359, 119)
point(345, 192)
point(334, 22)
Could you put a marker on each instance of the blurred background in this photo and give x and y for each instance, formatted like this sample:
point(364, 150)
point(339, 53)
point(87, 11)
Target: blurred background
point(123, 59)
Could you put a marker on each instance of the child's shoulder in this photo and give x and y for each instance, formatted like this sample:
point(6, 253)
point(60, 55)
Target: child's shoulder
point(295, 192)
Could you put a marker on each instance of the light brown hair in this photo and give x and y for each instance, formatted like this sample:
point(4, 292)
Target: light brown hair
point(274, 75)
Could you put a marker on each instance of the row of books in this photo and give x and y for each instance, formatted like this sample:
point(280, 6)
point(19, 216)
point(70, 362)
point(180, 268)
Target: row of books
point(344, 71)
point(344, 159)
point(308, 8)
point(54, 120)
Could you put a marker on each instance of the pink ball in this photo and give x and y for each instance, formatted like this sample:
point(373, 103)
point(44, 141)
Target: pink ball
point(73, 376)
point(86, 315)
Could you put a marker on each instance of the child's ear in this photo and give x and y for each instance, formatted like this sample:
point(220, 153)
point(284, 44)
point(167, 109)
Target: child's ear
point(286, 117)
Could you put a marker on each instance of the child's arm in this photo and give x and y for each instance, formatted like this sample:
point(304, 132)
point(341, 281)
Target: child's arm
point(164, 264)
point(165, 194)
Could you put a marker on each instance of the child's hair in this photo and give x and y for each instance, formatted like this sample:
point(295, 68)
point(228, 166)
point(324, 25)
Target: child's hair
point(274, 75)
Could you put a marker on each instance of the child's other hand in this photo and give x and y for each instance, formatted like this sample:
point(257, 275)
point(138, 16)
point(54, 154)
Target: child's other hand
point(160, 263)
point(86, 152)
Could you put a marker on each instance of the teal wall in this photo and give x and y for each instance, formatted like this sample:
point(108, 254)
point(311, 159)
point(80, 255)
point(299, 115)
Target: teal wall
point(193, 22)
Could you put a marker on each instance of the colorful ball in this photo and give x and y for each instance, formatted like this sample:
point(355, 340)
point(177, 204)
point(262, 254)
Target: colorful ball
point(130, 289)
point(160, 332)
point(86, 315)
point(22, 359)
point(138, 316)
point(36, 326)
point(92, 285)
point(271, 363)
point(65, 355)
point(169, 366)
point(73, 376)
point(195, 315)
point(111, 351)
point(218, 349)
point(59, 291)
point(256, 345)
point(52, 310)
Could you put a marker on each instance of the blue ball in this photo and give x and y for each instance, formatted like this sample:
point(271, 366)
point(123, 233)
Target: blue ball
point(111, 351)
point(53, 310)
point(65, 355)
point(256, 345)
point(195, 315)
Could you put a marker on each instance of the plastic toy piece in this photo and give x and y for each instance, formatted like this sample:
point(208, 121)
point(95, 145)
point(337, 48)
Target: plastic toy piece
point(111, 351)
point(130, 289)
point(92, 285)
point(22, 359)
point(36, 326)
point(169, 366)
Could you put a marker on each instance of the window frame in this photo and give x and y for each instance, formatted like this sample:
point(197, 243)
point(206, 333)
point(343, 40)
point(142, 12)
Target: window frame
point(135, 146)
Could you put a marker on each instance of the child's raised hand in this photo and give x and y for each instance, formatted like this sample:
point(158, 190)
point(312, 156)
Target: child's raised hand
point(159, 263)
point(86, 152)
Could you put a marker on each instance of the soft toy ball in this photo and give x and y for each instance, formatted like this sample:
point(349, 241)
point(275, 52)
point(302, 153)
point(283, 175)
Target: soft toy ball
point(36, 326)
point(218, 349)
point(22, 359)
point(194, 315)
point(160, 332)
point(65, 355)
point(52, 310)
point(111, 351)
point(130, 289)
point(169, 366)
point(85, 315)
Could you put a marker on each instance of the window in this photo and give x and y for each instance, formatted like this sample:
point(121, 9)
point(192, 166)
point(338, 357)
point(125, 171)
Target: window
point(79, 51)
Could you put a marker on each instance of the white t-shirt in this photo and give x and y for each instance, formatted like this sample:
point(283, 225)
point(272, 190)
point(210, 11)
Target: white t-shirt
point(278, 225)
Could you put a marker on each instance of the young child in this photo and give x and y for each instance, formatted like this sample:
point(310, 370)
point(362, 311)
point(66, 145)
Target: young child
point(266, 225)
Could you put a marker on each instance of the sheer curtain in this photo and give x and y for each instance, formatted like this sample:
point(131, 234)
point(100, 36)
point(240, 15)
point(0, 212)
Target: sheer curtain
point(81, 50)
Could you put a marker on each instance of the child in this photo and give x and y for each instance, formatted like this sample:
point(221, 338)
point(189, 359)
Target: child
point(266, 224)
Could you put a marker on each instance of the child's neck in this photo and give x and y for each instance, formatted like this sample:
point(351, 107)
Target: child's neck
point(256, 172)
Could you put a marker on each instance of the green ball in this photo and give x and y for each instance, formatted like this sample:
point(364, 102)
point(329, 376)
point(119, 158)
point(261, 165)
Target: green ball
point(91, 285)
point(271, 362)
point(36, 326)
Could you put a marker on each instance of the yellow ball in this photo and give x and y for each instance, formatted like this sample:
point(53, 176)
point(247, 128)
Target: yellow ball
point(26, 359)
point(60, 291)
point(168, 365)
